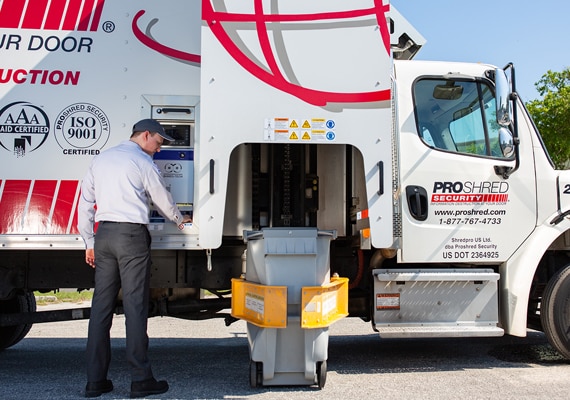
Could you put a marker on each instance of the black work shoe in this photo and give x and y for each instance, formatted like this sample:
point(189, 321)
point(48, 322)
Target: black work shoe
point(96, 389)
point(148, 387)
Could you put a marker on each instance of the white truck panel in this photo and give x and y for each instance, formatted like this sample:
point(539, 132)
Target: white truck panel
point(72, 85)
point(268, 87)
point(517, 275)
point(112, 70)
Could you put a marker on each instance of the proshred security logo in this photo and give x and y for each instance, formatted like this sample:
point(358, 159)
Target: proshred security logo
point(470, 192)
point(23, 127)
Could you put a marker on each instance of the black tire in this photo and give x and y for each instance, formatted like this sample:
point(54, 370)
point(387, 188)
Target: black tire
point(22, 302)
point(321, 374)
point(252, 374)
point(255, 374)
point(555, 311)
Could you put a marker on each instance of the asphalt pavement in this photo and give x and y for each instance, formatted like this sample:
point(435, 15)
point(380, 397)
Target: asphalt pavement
point(207, 360)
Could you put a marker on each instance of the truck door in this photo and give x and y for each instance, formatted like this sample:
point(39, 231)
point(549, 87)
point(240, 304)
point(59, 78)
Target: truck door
point(456, 207)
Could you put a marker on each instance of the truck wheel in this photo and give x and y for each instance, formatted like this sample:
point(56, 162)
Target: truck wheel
point(555, 311)
point(22, 302)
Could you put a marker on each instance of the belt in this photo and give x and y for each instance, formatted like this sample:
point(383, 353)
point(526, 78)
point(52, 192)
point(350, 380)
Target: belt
point(117, 222)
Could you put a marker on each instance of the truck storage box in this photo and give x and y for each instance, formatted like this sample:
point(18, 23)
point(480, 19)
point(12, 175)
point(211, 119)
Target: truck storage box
point(436, 302)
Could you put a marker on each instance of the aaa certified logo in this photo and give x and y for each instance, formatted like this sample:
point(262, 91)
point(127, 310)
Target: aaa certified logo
point(23, 127)
point(82, 128)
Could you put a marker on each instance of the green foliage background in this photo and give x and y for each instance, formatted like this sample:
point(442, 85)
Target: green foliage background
point(551, 113)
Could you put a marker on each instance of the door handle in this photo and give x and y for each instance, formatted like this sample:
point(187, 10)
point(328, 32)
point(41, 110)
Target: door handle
point(381, 178)
point(212, 187)
point(417, 202)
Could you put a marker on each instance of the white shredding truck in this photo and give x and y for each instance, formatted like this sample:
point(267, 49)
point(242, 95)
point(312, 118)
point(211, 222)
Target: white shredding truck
point(445, 214)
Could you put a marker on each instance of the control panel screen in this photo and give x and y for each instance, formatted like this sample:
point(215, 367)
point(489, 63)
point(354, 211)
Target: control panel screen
point(182, 133)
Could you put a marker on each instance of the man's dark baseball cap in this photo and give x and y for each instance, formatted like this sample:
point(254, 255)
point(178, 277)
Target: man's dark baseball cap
point(152, 126)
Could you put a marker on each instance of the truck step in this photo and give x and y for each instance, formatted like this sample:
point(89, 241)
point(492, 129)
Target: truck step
point(438, 331)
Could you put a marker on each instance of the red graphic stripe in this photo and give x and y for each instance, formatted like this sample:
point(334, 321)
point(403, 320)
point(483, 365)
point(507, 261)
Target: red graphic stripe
point(381, 11)
point(37, 216)
point(34, 14)
point(20, 217)
point(13, 205)
point(11, 13)
point(97, 15)
point(70, 20)
point(64, 207)
point(209, 14)
point(82, 15)
point(55, 14)
point(86, 15)
point(265, 42)
point(160, 48)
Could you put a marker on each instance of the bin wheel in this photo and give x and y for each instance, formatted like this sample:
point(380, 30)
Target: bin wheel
point(255, 374)
point(321, 374)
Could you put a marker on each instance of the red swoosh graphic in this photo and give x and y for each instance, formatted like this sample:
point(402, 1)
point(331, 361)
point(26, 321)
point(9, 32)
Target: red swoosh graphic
point(274, 77)
point(162, 49)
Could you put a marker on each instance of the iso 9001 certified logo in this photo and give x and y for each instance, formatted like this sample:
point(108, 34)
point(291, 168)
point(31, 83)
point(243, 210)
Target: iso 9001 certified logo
point(82, 129)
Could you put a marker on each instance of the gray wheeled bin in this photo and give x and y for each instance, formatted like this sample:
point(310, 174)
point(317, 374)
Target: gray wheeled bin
point(291, 258)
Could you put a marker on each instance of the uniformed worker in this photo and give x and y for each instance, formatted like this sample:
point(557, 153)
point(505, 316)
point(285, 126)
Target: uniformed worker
point(116, 192)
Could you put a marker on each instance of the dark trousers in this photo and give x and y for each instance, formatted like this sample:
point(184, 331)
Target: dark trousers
point(122, 260)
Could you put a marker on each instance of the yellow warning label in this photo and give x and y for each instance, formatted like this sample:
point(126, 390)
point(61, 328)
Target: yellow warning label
point(294, 124)
point(294, 136)
point(306, 124)
point(306, 136)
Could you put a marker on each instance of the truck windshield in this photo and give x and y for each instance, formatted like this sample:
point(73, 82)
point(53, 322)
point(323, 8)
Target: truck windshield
point(457, 116)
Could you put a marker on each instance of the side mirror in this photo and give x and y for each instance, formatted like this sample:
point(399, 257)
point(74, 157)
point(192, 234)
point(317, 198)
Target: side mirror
point(506, 142)
point(502, 95)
